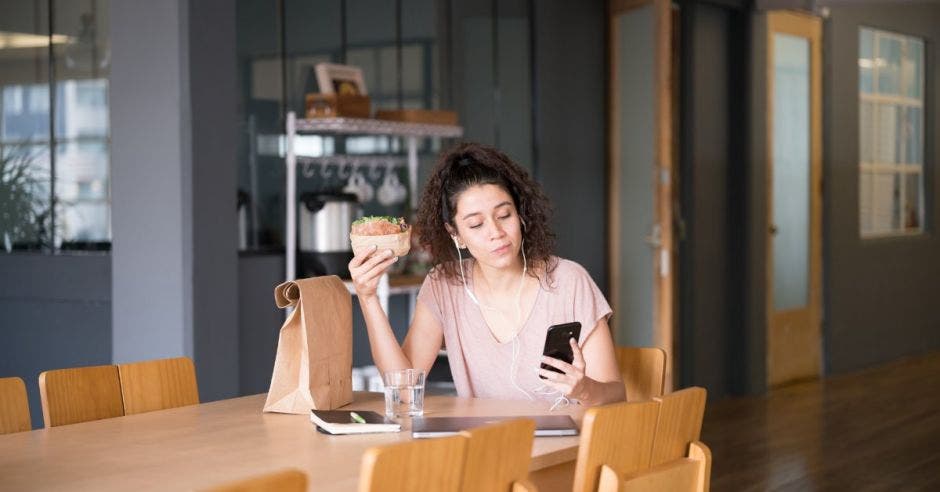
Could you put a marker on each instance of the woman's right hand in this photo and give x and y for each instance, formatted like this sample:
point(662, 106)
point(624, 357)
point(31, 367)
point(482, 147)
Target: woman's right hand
point(367, 268)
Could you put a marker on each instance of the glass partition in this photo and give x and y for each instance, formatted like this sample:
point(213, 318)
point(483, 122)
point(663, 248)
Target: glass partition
point(54, 128)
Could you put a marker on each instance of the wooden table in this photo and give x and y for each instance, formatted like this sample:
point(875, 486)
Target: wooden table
point(212, 443)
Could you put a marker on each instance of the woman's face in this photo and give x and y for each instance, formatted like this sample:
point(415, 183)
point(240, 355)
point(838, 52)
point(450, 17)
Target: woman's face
point(488, 225)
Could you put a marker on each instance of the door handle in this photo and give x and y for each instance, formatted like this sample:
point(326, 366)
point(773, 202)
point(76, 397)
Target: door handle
point(654, 239)
point(772, 229)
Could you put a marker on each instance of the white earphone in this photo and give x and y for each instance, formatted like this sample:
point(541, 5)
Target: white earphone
point(515, 335)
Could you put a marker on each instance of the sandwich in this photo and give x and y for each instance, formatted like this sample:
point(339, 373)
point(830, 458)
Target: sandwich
point(380, 231)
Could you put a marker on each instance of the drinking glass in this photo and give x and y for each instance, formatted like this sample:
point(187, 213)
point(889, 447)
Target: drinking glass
point(404, 393)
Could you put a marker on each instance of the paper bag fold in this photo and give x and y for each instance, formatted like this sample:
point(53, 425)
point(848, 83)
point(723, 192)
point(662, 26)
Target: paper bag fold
point(313, 366)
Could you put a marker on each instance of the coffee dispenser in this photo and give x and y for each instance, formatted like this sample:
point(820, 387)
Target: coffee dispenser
point(325, 219)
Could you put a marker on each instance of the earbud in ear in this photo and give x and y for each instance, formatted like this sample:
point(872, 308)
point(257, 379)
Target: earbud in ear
point(456, 243)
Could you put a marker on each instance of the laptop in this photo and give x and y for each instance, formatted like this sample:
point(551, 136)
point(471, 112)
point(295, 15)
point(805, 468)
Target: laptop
point(545, 425)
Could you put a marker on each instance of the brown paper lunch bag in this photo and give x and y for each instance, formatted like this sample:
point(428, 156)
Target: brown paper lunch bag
point(313, 367)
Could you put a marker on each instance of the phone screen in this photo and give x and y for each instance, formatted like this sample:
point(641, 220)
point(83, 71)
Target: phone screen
point(556, 343)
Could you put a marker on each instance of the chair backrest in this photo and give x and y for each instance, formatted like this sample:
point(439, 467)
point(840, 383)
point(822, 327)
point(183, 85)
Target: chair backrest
point(680, 422)
point(620, 435)
point(14, 407)
point(498, 456)
point(689, 474)
point(80, 394)
point(281, 481)
point(643, 370)
point(419, 465)
point(158, 384)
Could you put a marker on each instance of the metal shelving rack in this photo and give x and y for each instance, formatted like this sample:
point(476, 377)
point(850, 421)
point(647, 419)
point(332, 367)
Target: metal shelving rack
point(411, 132)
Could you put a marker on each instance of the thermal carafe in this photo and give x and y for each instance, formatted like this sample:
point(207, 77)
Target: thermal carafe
point(325, 219)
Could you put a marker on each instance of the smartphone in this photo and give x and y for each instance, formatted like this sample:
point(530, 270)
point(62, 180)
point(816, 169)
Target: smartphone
point(557, 345)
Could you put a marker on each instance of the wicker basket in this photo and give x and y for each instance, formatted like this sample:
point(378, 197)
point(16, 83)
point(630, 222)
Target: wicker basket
point(336, 105)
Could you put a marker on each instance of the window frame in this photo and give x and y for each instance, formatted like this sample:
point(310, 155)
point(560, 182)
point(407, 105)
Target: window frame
point(897, 170)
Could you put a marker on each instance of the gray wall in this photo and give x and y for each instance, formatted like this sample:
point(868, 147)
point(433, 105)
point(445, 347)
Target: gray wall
point(882, 294)
point(213, 97)
point(172, 98)
point(709, 172)
point(754, 333)
point(55, 312)
point(570, 126)
point(259, 320)
point(151, 180)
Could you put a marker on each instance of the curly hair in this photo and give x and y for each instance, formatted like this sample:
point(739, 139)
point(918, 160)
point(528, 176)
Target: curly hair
point(472, 164)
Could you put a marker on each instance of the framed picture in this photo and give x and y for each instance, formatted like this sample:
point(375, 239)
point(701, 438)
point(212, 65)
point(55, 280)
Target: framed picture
point(340, 79)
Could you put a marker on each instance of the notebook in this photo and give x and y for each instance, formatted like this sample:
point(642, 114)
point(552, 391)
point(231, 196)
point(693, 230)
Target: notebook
point(545, 425)
point(352, 422)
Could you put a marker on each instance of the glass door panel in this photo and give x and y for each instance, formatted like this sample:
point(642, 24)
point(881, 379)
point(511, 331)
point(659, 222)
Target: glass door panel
point(791, 171)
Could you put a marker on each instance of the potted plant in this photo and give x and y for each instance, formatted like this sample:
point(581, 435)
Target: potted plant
point(24, 201)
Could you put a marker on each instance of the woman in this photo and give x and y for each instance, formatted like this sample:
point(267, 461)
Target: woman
point(493, 306)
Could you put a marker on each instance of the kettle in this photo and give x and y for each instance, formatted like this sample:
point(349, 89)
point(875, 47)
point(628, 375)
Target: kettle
point(325, 219)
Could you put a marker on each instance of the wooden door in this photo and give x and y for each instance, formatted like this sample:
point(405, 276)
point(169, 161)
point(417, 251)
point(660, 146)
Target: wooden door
point(641, 171)
point(794, 233)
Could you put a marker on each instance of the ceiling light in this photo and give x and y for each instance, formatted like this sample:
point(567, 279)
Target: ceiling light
point(14, 40)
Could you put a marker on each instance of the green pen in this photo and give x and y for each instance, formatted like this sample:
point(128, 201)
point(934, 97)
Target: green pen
point(357, 418)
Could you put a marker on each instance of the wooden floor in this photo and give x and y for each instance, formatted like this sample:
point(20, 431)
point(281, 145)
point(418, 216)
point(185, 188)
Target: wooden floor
point(878, 429)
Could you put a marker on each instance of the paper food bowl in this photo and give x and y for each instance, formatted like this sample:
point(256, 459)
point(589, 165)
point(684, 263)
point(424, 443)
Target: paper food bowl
point(399, 243)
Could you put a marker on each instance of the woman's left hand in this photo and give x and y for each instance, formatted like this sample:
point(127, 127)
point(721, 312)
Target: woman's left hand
point(571, 381)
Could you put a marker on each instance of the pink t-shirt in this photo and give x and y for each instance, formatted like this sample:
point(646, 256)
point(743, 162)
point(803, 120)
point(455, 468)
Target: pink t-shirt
point(481, 366)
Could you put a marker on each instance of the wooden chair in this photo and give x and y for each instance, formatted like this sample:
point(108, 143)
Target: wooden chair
point(281, 481)
point(498, 457)
point(80, 394)
point(689, 474)
point(158, 384)
point(14, 406)
point(679, 423)
point(620, 435)
point(643, 370)
point(421, 465)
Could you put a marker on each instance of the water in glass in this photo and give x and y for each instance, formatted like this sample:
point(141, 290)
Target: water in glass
point(404, 393)
point(407, 400)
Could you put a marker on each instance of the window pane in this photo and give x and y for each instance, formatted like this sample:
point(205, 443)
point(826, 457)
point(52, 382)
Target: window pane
point(891, 133)
point(889, 65)
point(912, 201)
point(24, 126)
point(885, 133)
point(866, 60)
point(912, 135)
point(420, 23)
point(81, 129)
point(24, 196)
point(884, 192)
point(25, 112)
point(82, 108)
point(313, 32)
point(864, 201)
point(866, 131)
point(312, 35)
point(261, 169)
point(913, 68)
point(82, 189)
